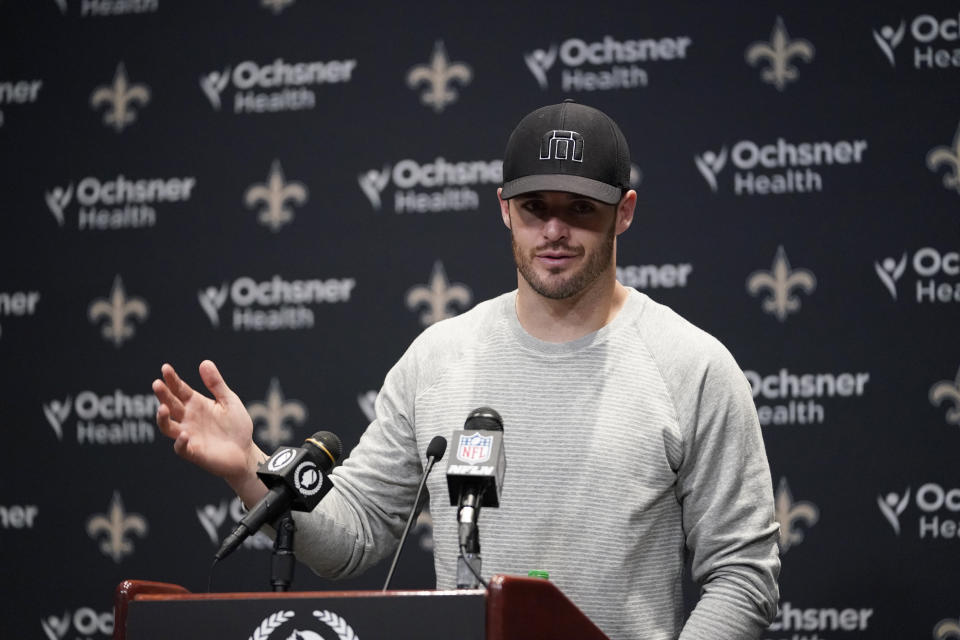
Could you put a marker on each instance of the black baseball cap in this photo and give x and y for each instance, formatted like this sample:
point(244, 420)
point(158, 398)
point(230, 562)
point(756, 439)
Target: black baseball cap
point(567, 147)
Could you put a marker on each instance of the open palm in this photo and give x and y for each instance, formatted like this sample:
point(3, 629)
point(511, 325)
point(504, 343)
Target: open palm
point(217, 433)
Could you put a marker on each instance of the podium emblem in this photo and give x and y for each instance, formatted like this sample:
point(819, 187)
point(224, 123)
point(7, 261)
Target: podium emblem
point(475, 448)
point(331, 620)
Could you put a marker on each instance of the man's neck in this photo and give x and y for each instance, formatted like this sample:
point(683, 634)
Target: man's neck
point(570, 318)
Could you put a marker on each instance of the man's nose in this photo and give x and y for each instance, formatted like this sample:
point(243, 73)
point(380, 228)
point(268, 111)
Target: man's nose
point(555, 227)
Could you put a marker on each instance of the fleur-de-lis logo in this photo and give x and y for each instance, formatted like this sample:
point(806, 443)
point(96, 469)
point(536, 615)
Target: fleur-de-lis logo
point(438, 296)
point(276, 5)
point(274, 414)
point(790, 514)
point(437, 76)
point(116, 525)
point(949, 156)
point(119, 97)
point(424, 529)
point(115, 311)
point(946, 629)
point(779, 52)
point(781, 281)
point(274, 194)
point(367, 401)
point(944, 391)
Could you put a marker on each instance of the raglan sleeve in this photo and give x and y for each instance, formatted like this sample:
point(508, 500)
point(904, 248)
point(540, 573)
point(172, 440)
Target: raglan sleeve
point(726, 495)
point(359, 521)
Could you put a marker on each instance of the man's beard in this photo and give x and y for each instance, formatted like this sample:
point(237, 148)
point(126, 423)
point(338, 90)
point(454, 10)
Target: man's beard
point(573, 283)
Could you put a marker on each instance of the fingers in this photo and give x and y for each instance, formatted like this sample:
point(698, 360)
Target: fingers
point(166, 397)
point(179, 388)
point(168, 427)
point(180, 445)
point(214, 382)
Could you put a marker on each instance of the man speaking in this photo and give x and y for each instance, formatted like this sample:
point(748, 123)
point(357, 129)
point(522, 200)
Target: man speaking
point(632, 435)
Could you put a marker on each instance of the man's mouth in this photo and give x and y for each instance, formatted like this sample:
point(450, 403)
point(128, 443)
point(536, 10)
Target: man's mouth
point(556, 258)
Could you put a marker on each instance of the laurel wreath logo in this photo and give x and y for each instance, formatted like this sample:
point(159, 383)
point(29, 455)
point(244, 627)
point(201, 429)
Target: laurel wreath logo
point(270, 624)
point(337, 624)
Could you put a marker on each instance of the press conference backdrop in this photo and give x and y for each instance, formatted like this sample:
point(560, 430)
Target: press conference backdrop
point(296, 189)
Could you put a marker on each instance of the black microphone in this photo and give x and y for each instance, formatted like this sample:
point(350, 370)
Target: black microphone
point(474, 480)
point(297, 479)
point(435, 451)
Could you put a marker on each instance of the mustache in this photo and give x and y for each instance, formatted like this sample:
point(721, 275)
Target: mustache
point(557, 246)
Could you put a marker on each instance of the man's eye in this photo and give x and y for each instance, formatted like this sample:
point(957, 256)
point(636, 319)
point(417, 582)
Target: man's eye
point(582, 206)
point(533, 205)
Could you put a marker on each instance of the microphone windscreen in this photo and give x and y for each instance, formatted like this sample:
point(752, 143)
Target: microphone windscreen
point(484, 418)
point(436, 448)
point(329, 443)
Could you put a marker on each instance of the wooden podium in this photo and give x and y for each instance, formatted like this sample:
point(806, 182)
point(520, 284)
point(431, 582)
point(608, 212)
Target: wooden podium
point(513, 608)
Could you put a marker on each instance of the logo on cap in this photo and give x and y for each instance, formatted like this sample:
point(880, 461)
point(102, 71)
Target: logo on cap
point(559, 144)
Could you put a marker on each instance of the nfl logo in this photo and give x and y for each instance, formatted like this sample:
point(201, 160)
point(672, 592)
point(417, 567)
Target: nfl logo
point(475, 448)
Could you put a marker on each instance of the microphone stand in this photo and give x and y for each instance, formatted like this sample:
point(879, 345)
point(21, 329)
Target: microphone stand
point(469, 562)
point(406, 529)
point(283, 561)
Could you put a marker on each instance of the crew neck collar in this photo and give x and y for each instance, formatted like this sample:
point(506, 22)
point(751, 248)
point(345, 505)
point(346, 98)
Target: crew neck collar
point(631, 307)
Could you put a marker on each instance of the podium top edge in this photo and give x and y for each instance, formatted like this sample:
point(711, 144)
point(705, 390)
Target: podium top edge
point(272, 595)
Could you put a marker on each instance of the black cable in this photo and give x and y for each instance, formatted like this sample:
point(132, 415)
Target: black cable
point(210, 576)
point(470, 566)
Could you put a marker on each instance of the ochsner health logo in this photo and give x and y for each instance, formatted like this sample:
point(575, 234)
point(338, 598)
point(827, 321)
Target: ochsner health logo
point(927, 34)
point(792, 619)
point(109, 8)
point(779, 167)
point(787, 398)
point(104, 419)
point(935, 275)
point(272, 305)
point(84, 622)
point(604, 64)
point(213, 516)
point(18, 92)
point(938, 508)
point(272, 87)
point(17, 304)
point(429, 187)
point(111, 204)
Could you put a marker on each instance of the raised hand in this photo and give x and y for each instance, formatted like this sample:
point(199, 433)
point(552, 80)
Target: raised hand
point(216, 434)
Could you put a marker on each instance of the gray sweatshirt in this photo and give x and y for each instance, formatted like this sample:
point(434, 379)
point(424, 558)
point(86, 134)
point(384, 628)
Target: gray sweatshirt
point(624, 448)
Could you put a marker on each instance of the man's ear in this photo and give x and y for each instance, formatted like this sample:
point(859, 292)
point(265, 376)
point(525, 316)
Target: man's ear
point(504, 208)
point(625, 211)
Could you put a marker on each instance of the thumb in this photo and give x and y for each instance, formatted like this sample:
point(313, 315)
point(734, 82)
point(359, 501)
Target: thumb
point(214, 382)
